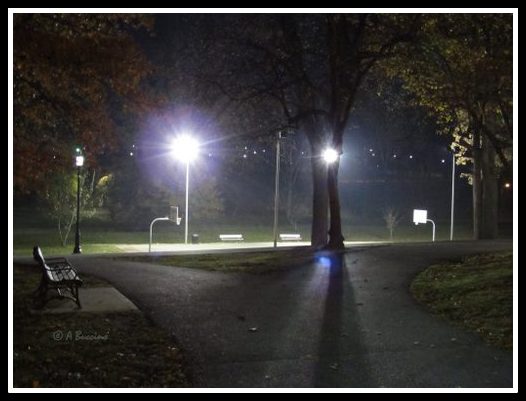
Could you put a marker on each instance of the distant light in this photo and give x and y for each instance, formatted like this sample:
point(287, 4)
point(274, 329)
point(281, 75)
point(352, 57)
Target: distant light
point(330, 155)
point(185, 148)
point(255, 152)
point(394, 156)
point(507, 185)
point(131, 153)
point(77, 150)
point(443, 160)
point(210, 155)
point(133, 145)
point(79, 161)
point(410, 156)
point(244, 156)
point(263, 150)
point(370, 150)
point(302, 153)
point(372, 154)
point(246, 148)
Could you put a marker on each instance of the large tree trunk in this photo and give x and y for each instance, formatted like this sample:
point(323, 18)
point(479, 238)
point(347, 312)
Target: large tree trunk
point(320, 199)
point(477, 186)
point(335, 232)
point(489, 213)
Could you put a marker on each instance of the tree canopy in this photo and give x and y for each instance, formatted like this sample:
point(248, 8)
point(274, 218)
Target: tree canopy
point(73, 75)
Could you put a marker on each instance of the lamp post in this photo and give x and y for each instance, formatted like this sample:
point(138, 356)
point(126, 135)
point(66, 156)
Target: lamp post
point(276, 188)
point(79, 162)
point(185, 149)
point(452, 196)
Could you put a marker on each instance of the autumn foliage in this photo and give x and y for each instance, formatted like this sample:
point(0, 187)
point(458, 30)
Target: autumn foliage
point(75, 77)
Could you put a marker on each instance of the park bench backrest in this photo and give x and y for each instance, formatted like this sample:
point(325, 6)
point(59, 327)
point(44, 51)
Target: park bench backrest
point(38, 256)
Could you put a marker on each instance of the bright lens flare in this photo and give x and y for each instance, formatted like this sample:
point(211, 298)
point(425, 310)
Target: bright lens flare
point(184, 148)
point(330, 155)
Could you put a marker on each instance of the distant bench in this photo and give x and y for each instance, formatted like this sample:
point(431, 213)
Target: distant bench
point(290, 237)
point(231, 237)
point(58, 275)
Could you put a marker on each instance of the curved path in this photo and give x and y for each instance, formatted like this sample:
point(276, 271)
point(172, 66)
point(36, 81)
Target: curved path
point(317, 326)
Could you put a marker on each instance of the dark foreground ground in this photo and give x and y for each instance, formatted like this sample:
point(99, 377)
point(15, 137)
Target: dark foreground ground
point(347, 321)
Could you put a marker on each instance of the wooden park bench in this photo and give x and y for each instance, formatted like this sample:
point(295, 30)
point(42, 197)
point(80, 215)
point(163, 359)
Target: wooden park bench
point(58, 275)
point(290, 237)
point(231, 237)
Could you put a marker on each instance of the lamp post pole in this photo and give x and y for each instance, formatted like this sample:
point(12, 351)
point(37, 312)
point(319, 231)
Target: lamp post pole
point(185, 149)
point(186, 211)
point(79, 161)
point(452, 197)
point(276, 189)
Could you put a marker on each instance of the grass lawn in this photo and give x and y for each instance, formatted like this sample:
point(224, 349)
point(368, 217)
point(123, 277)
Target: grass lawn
point(249, 262)
point(476, 293)
point(88, 349)
point(106, 240)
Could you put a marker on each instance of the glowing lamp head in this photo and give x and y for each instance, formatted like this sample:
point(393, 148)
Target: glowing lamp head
point(184, 148)
point(79, 161)
point(330, 155)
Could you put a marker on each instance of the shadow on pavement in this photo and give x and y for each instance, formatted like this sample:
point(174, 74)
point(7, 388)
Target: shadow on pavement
point(341, 352)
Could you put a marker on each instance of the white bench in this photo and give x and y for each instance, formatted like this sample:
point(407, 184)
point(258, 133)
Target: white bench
point(231, 237)
point(290, 237)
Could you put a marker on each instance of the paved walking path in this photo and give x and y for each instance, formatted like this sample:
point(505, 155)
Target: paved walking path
point(316, 326)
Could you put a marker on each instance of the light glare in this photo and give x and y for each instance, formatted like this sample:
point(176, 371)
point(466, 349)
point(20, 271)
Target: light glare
point(184, 148)
point(330, 155)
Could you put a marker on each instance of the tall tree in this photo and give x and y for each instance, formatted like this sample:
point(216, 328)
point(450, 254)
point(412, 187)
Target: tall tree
point(73, 73)
point(462, 71)
point(310, 68)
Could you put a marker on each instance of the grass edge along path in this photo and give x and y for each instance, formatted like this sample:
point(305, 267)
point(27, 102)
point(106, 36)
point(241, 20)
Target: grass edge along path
point(255, 262)
point(476, 293)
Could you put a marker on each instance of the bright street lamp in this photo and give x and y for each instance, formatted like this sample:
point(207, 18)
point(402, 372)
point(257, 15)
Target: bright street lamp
point(185, 149)
point(330, 155)
point(79, 162)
